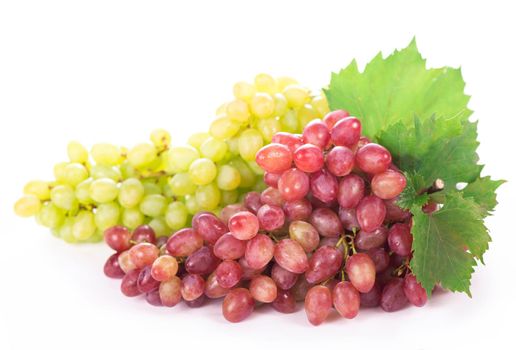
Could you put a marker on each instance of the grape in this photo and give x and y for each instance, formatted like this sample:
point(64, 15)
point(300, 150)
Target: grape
point(274, 158)
point(153, 298)
point(305, 234)
point(292, 141)
point(62, 196)
point(263, 289)
point(107, 215)
point(293, 185)
point(326, 222)
point(252, 201)
point(348, 219)
point(131, 193)
point(160, 138)
point(209, 227)
point(324, 186)
point(380, 258)
point(202, 171)
point(244, 91)
point(228, 273)
point(351, 190)
point(153, 205)
point(192, 287)
point(143, 254)
point(28, 205)
point(400, 239)
point(161, 242)
point(284, 302)
point(284, 279)
point(132, 218)
point(388, 185)
point(290, 255)
point(229, 210)
point(316, 133)
point(333, 117)
point(373, 239)
point(296, 95)
point(259, 251)
point(200, 301)
point(208, 197)
point(297, 210)
point(271, 196)
point(323, 264)
point(300, 289)
point(318, 303)
point(394, 212)
point(228, 247)
point(238, 305)
point(393, 298)
point(106, 154)
point(340, 161)
point(247, 271)
point(164, 268)
point(238, 111)
point(346, 132)
point(143, 233)
point(249, 143)
point(212, 289)
point(84, 225)
point(228, 178)
point(129, 285)
point(271, 179)
point(125, 262)
point(262, 105)
point(202, 261)
point(370, 213)
point(413, 290)
point(103, 190)
point(112, 268)
point(361, 272)
point(371, 298)
point(159, 226)
point(76, 152)
point(271, 217)
point(118, 237)
point(50, 216)
point(74, 173)
point(214, 149)
point(224, 128)
point(346, 299)
point(146, 282)
point(184, 242)
point(309, 158)
point(170, 292)
point(176, 215)
point(244, 225)
point(373, 158)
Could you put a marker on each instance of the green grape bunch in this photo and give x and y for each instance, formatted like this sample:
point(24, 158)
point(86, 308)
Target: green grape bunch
point(163, 185)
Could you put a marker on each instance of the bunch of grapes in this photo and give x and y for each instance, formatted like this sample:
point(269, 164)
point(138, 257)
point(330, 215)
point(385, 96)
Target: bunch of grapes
point(326, 231)
point(162, 185)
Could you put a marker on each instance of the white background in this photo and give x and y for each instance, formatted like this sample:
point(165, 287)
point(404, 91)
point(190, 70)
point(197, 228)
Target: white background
point(114, 70)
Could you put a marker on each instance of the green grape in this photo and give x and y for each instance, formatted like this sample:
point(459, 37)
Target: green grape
point(106, 154)
point(233, 146)
point(59, 171)
point(238, 111)
point(63, 197)
point(132, 218)
point(255, 167)
point(228, 178)
point(66, 231)
point(74, 173)
point(207, 196)
point(305, 115)
point(104, 171)
point(320, 105)
point(77, 153)
point(197, 139)
point(131, 193)
point(50, 216)
point(268, 128)
point(84, 225)
point(296, 96)
point(247, 176)
point(82, 192)
point(280, 104)
point(214, 149)
point(153, 205)
point(202, 171)
point(103, 190)
point(244, 91)
point(159, 226)
point(151, 187)
point(142, 155)
point(224, 128)
point(179, 158)
point(98, 236)
point(107, 215)
point(289, 121)
point(181, 184)
point(228, 197)
point(283, 82)
point(249, 142)
point(127, 170)
point(176, 215)
point(262, 105)
point(160, 138)
point(28, 205)
point(265, 83)
point(40, 189)
point(165, 188)
point(191, 204)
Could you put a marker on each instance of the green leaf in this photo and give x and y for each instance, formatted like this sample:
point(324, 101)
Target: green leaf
point(447, 244)
point(410, 197)
point(482, 191)
point(394, 89)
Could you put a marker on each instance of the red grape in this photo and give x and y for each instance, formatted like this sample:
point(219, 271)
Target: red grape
point(318, 304)
point(238, 305)
point(170, 292)
point(229, 210)
point(118, 237)
point(298, 209)
point(389, 184)
point(371, 298)
point(348, 218)
point(309, 158)
point(271, 196)
point(326, 222)
point(202, 261)
point(316, 133)
point(393, 298)
point(292, 141)
point(290, 255)
point(324, 186)
point(380, 258)
point(400, 239)
point(323, 264)
point(333, 117)
point(263, 289)
point(351, 190)
point(112, 267)
point(271, 217)
point(340, 160)
point(146, 282)
point(373, 158)
point(284, 279)
point(228, 273)
point(361, 272)
point(259, 251)
point(164, 268)
point(370, 213)
point(212, 288)
point(229, 248)
point(274, 158)
point(413, 290)
point(293, 185)
point(367, 240)
point(143, 233)
point(244, 225)
point(192, 287)
point(346, 132)
point(394, 212)
point(271, 179)
point(284, 302)
point(129, 285)
point(209, 227)
point(143, 254)
point(305, 234)
point(153, 298)
point(346, 299)
point(252, 201)
point(184, 242)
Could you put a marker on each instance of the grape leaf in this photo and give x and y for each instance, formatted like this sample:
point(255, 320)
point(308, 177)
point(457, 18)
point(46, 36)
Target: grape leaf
point(394, 89)
point(447, 243)
point(482, 191)
point(411, 196)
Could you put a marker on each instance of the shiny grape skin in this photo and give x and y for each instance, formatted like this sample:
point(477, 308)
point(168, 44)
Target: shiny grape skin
point(263, 289)
point(153, 298)
point(346, 132)
point(370, 213)
point(125, 262)
point(247, 271)
point(371, 298)
point(112, 268)
point(201, 262)
point(348, 218)
point(143, 233)
point(290, 255)
point(305, 234)
point(209, 227)
point(200, 301)
point(170, 292)
point(252, 201)
point(298, 210)
point(117, 238)
point(340, 160)
point(192, 287)
point(244, 225)
point(413, 290)
point(309, 158)
point(326, 222)
point(292, 141)
point(323, 264)
point(228, 273)
point(324, 186)
point(380, 258)
point(368, 240)
point(393, 298)
point(316, 133)
point(143, 254)
point(271, 179)
point(351, 190)
point(389, 184)
point(271, 217)
point(164, 267)
point(161, 241)
point(274, 158)
point(373, 158)
point(212, 289)
point(271, 196)
point(400, 239)
point(228, 247)
point(284, 279)
point(293, 185)
point(285, 302)
point(259, 251)
point(318, 303)
point(229, 210)
point(146, 282)
point(238, 305)
point(333, 117)
point(346, 299)
point(184, 242)
point(361, 272)
point(300, 289)
point(129, 285)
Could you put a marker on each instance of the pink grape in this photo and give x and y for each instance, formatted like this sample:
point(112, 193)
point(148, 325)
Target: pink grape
point(112, 267)
point(164, 268)
point(350, 191)
point(305, 234)
point(326, 222)
point(300, 289)
point(247, 271)
point(324, 186)
point(393, 298)
point(367, 240)
point(161, 241)
point(200, 301)
point(202, 261)
point(143, 233)
point(389, 184)
point(146, 282)
point(192, 287)
point(153, 298)
point(292, 141)
point(125, 262)
point(413, 290)
point(263, 289)
point(271, 217)
point(290, 255)
point(371, 298)
point(229, 248)
point(271, 196)
point(318, 303)
point(400, 239)
point(361, 272)
point(228, 273)
point(271, 179)
point(244, 225)
point(298, 209)
point(252, 201)
point(259, 251)
point(170, 292)
point(274, 158)
point(348, 218)
point(143, 254)
point(323, 264)
point(316, 133)
point(309, 158)
point(333, 117)
point(293, 185)
point(284, 279)
point(370, 213)
point(129, 285)
point(117, 238)
point(184, 242)
point(340, 161)
point(284, 302)
point(346, 299)
point(394, 213)
point(373, 158)
point(380, 258)
point(209, 227)
point(212, 288)
point(229, 210)
point(238, 305)
point(346, 132)
point(364, 140)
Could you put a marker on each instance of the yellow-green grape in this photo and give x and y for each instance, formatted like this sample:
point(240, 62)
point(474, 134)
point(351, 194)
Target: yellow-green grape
point(63, 197)
point(228, 178)
point(106, 154)
point(255, 167)
point(160, 227)
point(166, 190)
point(191, 204)
point(249, 142)
point(305, 115)
point(208, 196)
point(320, 104)
point(127, 170)
point(98, 236)
point(131, 193)
point(244, 91)
point(289, 121)
point(66, 231)
point(103, 190)
point(151, 187)
point(82, 192)
point(221, 110)
point(179, 158)
point(77, 153)
point(176, 215)
point(238, 110)
point(296, 95)
point(262, 105)
point(181, 184)
point(74, 173)
point(132, 218)
point(197, 139)
point(268, 128)
point(104, 171)
point(233, 146)
point(224, 128)
point(283, 82)
point(107, 215)
point(160, 138)
point(280, 104)
point(247, 176)
point(265, 83)
point(59, 172)
point(50, 216)
point(214, 149)
point(153, 205)
point(84, 225)
point(142, 155)
point(202, 171)
point(40, 189)
point(228, 197)
point(28, 205)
